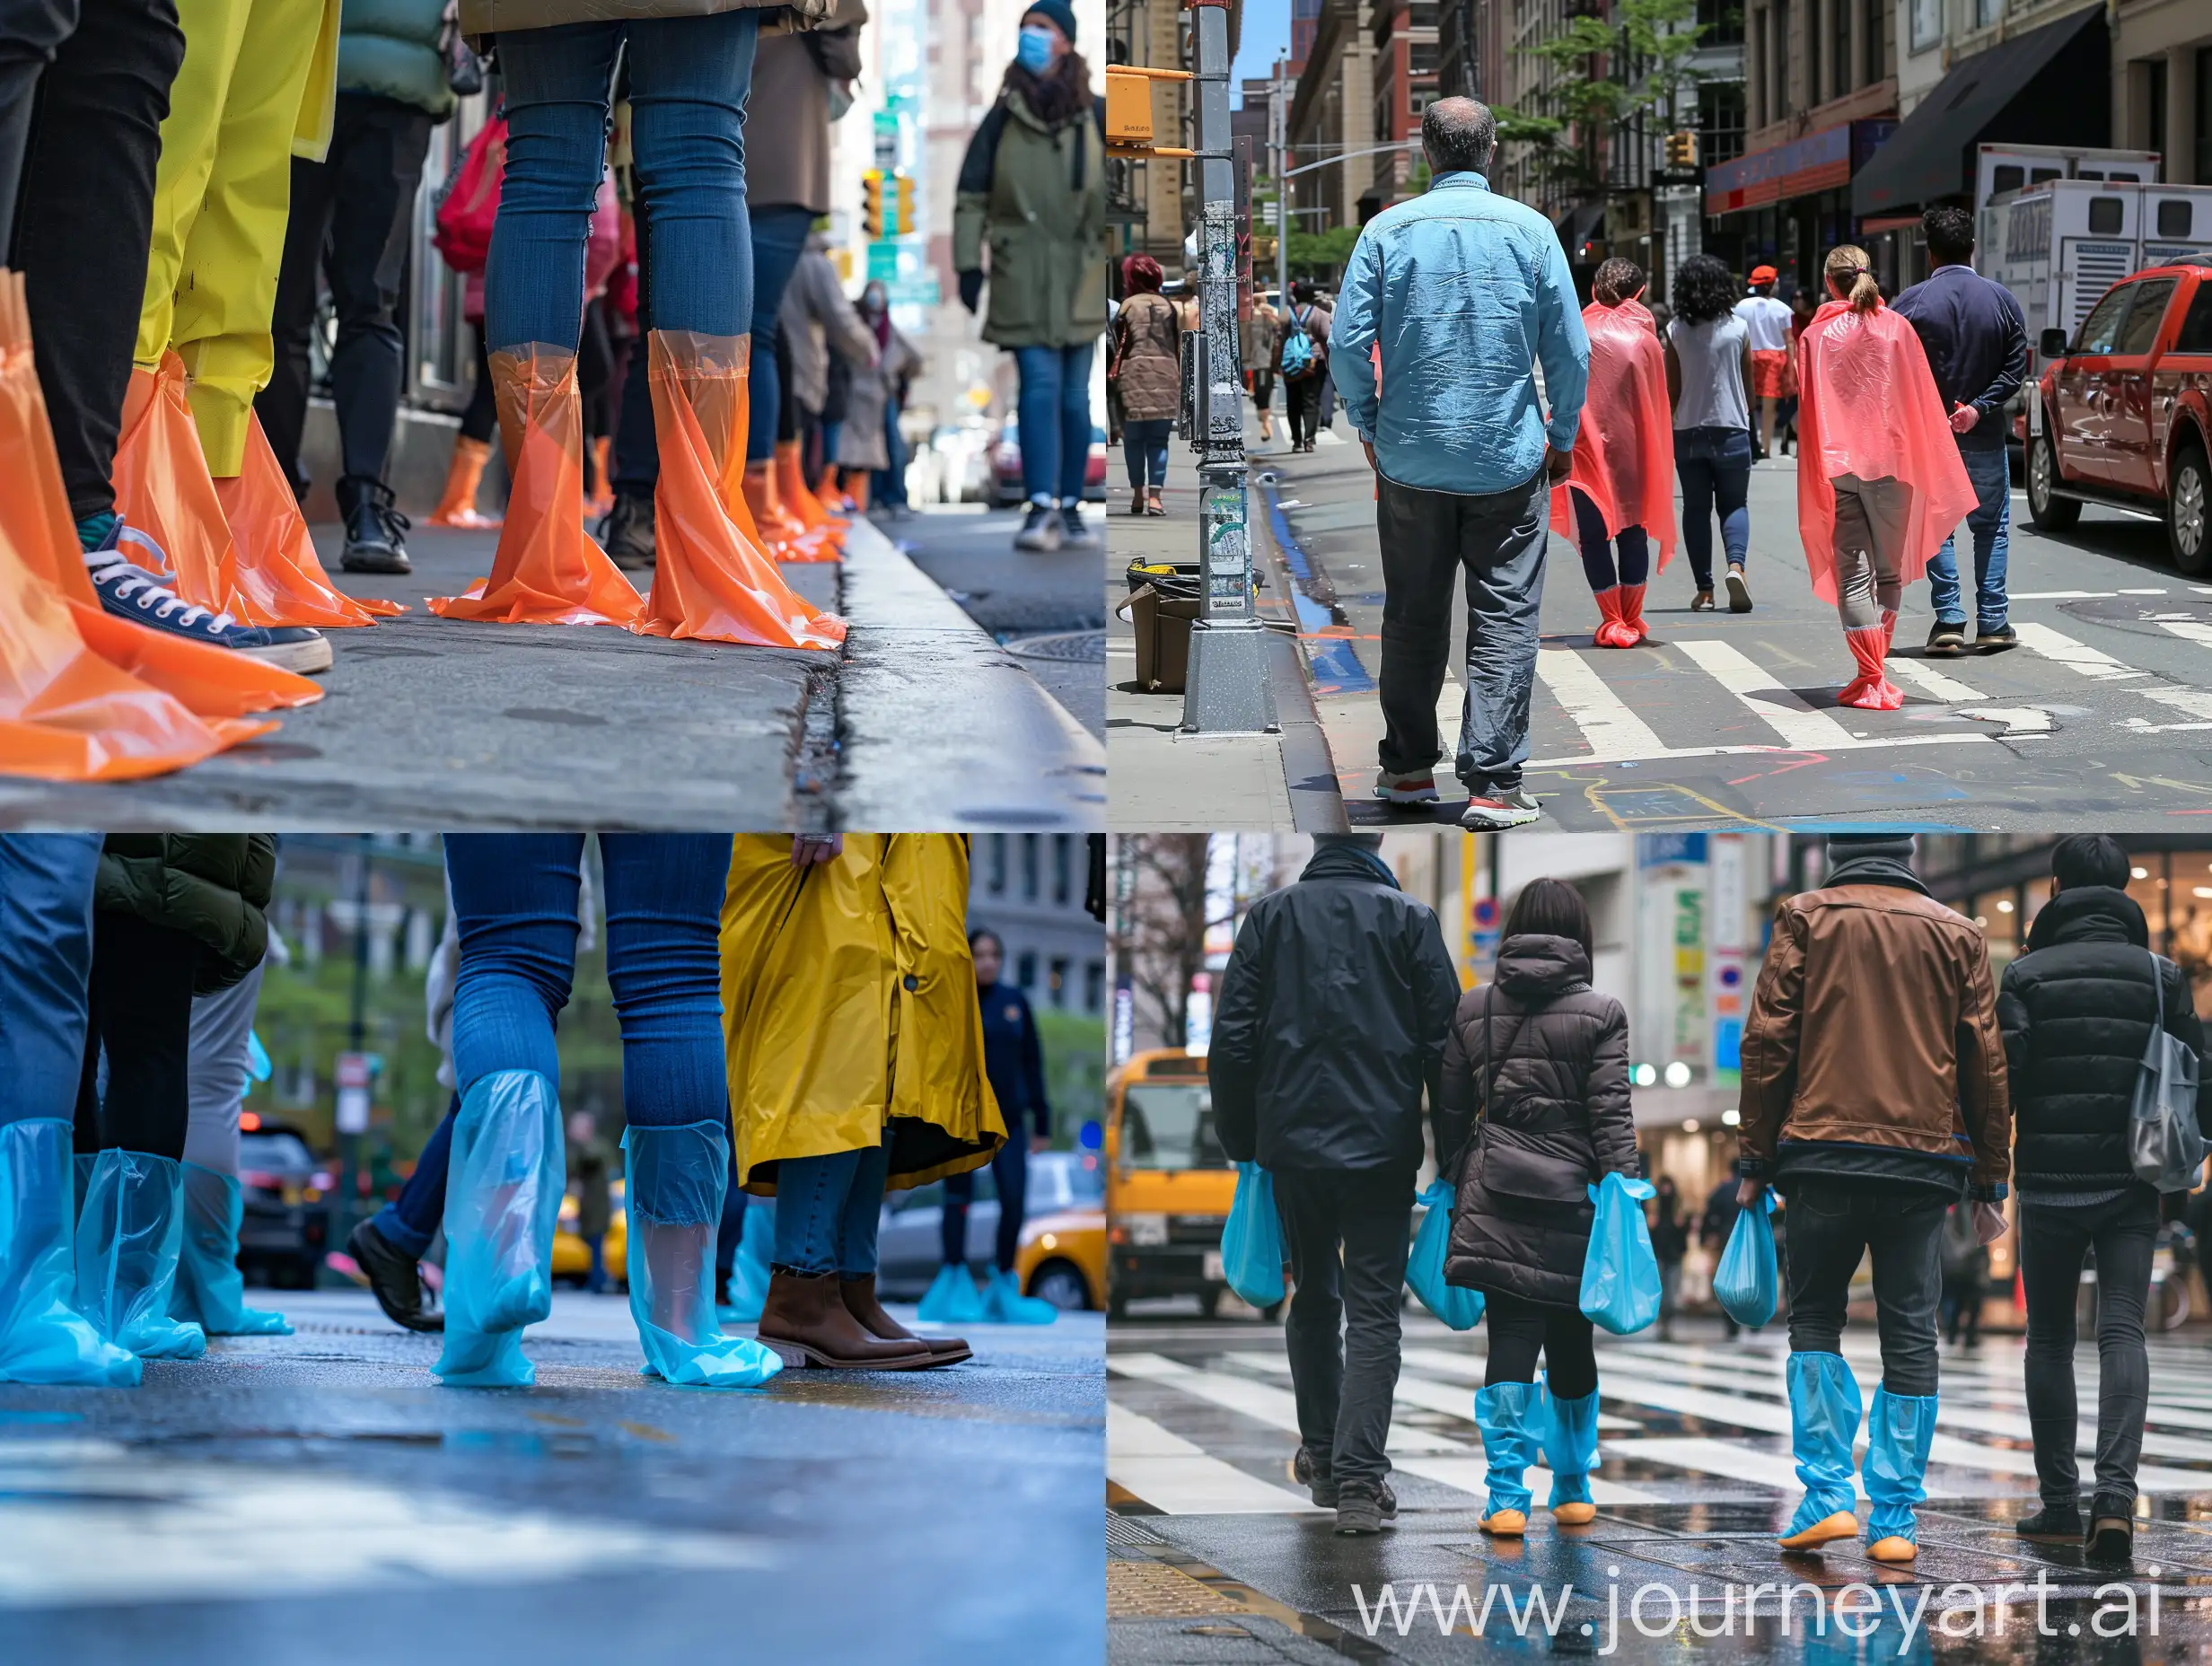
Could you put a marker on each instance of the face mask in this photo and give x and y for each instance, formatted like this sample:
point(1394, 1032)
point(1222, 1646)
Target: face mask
point(1034, 53)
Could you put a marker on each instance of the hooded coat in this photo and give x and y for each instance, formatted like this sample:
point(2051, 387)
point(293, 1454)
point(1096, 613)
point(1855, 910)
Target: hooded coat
point(2077, 1010)
point(213, 887)
point(1536, 1111)
point(1034, 190)
point(849, 1008)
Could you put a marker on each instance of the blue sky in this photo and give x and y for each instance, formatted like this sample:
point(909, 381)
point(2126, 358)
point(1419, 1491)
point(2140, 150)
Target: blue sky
point(1266, 30)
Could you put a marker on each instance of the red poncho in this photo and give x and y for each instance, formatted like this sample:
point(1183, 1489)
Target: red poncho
point(1867, 406)
point(1624, 452)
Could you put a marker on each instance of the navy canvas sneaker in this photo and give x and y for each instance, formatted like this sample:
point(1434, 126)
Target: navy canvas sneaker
point(132, 592)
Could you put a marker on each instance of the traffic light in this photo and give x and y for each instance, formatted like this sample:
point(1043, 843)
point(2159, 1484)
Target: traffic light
point(1682, 149)
point(904, 204)
point(871, 202)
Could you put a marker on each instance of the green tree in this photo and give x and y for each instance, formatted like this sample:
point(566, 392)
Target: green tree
point(1314, 253)
point(1645, 48)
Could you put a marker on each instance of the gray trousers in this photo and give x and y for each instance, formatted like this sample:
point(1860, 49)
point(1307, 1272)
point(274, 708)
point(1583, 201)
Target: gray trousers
point(216, 1072)
point(1347, 1232)
point(1870, 547)
point(1428, 538)
point(2055, 1240)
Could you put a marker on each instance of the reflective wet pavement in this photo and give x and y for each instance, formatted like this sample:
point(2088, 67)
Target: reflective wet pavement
point(320, 1497)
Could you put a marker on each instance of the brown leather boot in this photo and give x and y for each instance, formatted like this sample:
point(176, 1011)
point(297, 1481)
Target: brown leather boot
point(860, 1302)
point(806, 1323)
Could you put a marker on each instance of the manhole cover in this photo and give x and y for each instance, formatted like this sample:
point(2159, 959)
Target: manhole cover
point(1074, 647)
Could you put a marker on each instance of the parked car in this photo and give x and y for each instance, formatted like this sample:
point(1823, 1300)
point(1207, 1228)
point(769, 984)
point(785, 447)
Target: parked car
point(1003, 488)
point(284, 1228)
point(2123, 416)
point(1062, 1252)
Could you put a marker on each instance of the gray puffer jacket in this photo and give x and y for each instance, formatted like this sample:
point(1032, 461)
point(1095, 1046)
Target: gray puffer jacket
point(1550, 1055)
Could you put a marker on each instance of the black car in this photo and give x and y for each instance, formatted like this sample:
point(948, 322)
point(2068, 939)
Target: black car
point(285, 1229)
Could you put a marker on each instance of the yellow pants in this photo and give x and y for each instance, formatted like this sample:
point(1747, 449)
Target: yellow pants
point(257, 89)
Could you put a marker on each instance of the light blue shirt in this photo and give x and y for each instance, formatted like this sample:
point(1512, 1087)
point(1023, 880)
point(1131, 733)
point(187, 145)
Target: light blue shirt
point(1467, 292)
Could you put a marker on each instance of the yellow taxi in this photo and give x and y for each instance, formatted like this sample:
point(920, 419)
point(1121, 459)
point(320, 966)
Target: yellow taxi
point(1062, 1255)
point(1169, 1183)
point(572, 1261)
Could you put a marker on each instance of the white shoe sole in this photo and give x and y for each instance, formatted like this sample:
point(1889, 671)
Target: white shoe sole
point(1498, 821)
point(1739, 592)
point(1406, 795)
point(304, 657)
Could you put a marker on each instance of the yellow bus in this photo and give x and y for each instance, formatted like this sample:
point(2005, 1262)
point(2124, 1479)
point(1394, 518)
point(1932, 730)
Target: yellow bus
point(1168, 1184)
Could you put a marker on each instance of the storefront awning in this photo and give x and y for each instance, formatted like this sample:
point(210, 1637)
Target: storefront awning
point(2051, 85)
point(1819, 162)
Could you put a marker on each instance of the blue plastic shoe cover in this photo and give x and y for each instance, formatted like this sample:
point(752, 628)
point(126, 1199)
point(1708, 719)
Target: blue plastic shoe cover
point(748, 1279)
point(1570, 1444)
point(950, 1299)
point(1004, 1304)
point(503, 1195)
point(1899, 1430)
point(1825, 1409)
point(1510, 1417)
point(130, 1239)
point(209, 1290)
point(43, 1339)
point(673, 1194)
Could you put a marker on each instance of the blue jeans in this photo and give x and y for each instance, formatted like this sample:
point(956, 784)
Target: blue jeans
point(1144, 447)
point(778, 240)
point(1715, 467)
point(46, 969)
point(731, 1229)
point(888, 486)
point(412, 1220)
point(1053, 418)
point(1990, 523)
point(514, 896)
point(688, 81)
point(1597, 551)
point(827, 1209)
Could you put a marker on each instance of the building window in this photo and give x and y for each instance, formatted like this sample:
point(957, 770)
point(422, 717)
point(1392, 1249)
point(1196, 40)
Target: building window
point(1025, 970)
point(2204, 116)
point(1877, 20)
point(1839, 49)
point(995, 866)
point(1095, 974)
point(1720, 121)
point(2153, 105)
point(1055, 991)
point(1421, 57)
point(1029, 867)
point(1987, 12)
point(1722, 20)
point(1062, 864)
point(1927, 24)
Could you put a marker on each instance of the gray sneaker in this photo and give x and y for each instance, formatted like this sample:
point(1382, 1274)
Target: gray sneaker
point(1319, 1484)
point(1043, 533)
point(1364, 1509)
point(1075, 534)
point(1493, 812)
point(1412, 786)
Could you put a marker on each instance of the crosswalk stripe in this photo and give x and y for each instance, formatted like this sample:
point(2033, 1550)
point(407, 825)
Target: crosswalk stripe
point(1468, 1367)
point(1781, 709)
point(1611, 729)
point(1709, 1456)
point(1260, 1401)
point(2075, 654)
point(1175, 1475)
point(1926, 678)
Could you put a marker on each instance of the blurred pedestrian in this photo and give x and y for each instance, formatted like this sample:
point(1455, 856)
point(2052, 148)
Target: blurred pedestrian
point(1966, 1277)
point(467, 216)
point(1670, 1245)
point(1765, 323)
point(1873, 1095)
point(1033, 188)
point(1262, 331)
point(1301, 360)
point(2078, 1009)
point(872, 453)
point(1464, 457)
point(1709, 375)
point(1334, 1012)
point(1536, 1089)
point(824, 340)
point(1716, 1223)
point(1802, 305)
point(1147, 371)
point(591, 1173)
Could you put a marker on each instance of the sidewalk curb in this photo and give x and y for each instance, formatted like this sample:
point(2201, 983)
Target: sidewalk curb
point(1014, 757)
point(1309, 770)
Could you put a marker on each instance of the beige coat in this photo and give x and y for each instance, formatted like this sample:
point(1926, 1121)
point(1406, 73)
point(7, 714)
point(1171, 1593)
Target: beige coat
point(488, 17)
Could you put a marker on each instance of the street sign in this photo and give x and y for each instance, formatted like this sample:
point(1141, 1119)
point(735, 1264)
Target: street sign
point(353, 1092)
point(1662, 178)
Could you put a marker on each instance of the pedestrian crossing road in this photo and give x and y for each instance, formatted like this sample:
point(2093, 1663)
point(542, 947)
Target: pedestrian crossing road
point(2103, 710)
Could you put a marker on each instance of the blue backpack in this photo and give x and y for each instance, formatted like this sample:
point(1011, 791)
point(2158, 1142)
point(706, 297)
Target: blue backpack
point(1297, 347)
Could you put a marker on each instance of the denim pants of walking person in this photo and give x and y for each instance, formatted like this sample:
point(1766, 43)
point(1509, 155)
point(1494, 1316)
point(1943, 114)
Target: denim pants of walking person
point(1989, 524)
point(1346, 1230)
point(888, 487)
point(2055, 1240)
point(827, 1209)
point(45, 969)
point(1053, 421)
point(688, 81)
point(514, 899)
point(1830, 1225)
point(1428, 538)
point(412, 1220)
point(1144, 447)
point(1715, 468)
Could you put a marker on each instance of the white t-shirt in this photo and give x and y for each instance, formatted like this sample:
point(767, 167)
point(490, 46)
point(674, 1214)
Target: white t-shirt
point(1767, 321)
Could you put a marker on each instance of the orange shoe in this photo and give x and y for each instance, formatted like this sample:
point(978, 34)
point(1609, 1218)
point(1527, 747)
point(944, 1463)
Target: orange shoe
point(598, 504)
point(463, 475)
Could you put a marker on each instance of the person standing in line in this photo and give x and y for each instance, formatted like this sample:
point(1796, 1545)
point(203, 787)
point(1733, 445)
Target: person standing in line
point(1334, 1013)
point(1301, 360)
point(591, 1172)
point(1875, 1097)
point(352, 212)
point(824, 340)
point(1977, 345)
point(2077, 1010)
point(1032, 186)
point(1149, 378)
point(1802, 305)
point(1709, 374)
point(1966, 1277)
point(871, 451)
point(1766, 322)
point(1536, 1113)
point(1670, 1243)
point(1262, 331)
point(1464, 456)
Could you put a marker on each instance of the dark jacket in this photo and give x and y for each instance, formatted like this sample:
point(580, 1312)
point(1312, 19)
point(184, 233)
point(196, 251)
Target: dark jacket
point(389, 48)
point(213, 887)
point(1331, 1022)
point(1977, 345)
point(1542, 1060)
point(1034, 191)
point(1013, 1059)
point(590, 1170)
point(1670, 1231)
point(2076, 1011)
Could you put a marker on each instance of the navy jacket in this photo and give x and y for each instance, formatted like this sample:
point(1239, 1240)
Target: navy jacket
point(1977, 345)
point(1014, 1061)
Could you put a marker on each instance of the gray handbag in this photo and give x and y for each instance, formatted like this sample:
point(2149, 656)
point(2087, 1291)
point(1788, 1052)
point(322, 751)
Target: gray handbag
point(2165, 1146)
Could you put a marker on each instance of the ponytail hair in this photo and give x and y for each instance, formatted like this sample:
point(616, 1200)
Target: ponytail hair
point(1849, 270)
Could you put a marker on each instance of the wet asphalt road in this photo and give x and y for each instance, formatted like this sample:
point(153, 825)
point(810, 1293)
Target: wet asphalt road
point(320, 1497)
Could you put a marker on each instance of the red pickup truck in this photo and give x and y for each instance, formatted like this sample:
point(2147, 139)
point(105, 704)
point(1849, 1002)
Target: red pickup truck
point(2124, 412)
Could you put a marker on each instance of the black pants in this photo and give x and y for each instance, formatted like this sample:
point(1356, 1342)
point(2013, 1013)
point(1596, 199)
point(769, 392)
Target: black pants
point(142, 1017)
point(1010, 1175)
point(2054, 1244)
point(1302, 401)
point(31, 33)
point(1830, 1225)
point(482, 417)
point(84, 222)
point(350, 218)
point(1346, 1230)
point(1519, 1330)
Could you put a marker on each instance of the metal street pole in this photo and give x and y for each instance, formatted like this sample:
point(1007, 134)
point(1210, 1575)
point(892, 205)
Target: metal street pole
point(353, 1094)
point(1226, 690)
point(1280, 110)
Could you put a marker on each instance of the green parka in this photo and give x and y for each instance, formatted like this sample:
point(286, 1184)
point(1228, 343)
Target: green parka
point(214, 887)
point(1035, 193)
point(390, 48)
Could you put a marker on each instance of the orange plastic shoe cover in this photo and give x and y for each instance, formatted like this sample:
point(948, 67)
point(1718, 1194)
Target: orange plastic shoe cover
point(281, 580)
point(781, 532)
point(162, 488)
point(711, 577)
point(547, 571)
point(791, 488)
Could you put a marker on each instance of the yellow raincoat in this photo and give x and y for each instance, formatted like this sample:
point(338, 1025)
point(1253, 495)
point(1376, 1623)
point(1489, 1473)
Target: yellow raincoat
point(849, 1008)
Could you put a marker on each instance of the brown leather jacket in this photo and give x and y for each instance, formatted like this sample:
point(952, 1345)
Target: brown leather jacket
point(1875, 1024)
